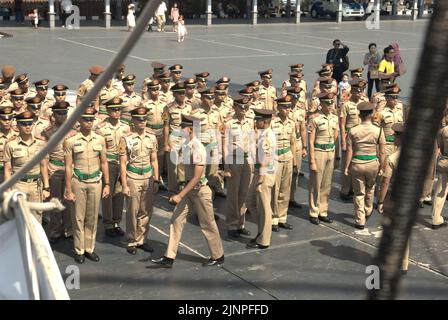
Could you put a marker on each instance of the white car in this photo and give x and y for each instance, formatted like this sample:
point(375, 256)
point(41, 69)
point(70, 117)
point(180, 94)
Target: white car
point(350, 9)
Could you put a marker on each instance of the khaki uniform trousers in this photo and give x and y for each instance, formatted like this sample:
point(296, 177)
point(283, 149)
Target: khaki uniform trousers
point(282, 191)
point(389, 149)
point(199, 201)
point(261, 204)
point(439, 198)
point(85, 222)
point(113, 205)
point(212, 173)
point(139, 211)
point(429, 180)
point(161, 154)
point(161, 22)
point(364, 178)
point(296, 171)
point(237, 189)
point(175, 168)
point(346, 181)
point(60, 222)
point(320, 183)
point(33, 194)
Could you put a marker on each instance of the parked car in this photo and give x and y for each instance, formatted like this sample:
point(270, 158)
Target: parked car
point(350, 9)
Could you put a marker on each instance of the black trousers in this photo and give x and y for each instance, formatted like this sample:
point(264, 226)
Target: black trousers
point(370, 85)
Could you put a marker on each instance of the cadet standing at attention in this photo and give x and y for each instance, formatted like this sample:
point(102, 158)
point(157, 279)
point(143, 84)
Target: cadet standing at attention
point(88, 84)
point(131, 99)
point(365, 159)
point(268, 93)
point(6, 133)
point(284, 130)
point(85, 165)
point(195, 197)
point(140, 179)
point(18, 151)
point(322, 138)
point(112, 129)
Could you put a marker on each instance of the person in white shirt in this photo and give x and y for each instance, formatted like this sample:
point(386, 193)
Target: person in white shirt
point(160, 14)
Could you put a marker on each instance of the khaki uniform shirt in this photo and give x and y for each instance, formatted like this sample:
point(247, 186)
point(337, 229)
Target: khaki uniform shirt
point(166, 97)
point(266, 145)
point(238, 135)
point(46, 106)
point(130, 102)
point(85, 86)
point(350, 112)
point(325, 128)
point(4, 138)
point(298, 116)
point(198, 156)
point(155, 115)
point(365, 139)
point(268, 96)
point(19, 152)
point(112, 134)
point(138, 150)
point(40, 125)
point(86, 153)
point(210, 124)
point(172, 114)
point(57, 161)
point(285, 132)
point(387, 118)
point(105, 95)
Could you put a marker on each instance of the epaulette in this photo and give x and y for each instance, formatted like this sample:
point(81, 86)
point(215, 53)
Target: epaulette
point(47, 129)
point(72, 133)
point(101, 124)
point(39, 137)
point(149, 130)
point(130, 134)
point(11, 138)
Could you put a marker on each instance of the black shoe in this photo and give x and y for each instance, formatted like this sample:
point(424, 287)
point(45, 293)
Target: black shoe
point(285, 226)
point(145, 247)
point(214, 262)
point(92, 256)
point(301, 174)
point(345, 197)
point(326, 219)
point(54, 240)
point(244, 232)
point(295, 204)
point(438, 226)
point(314, 221)
point(359, 226)
point(110, 233)
point(119, 232)
point(403, 272)
point(254, 239)
point(220, 194)
point(67, 237)
point(164, 262)
point(275, 228)
point(100, 216)
point(79, 258)
point(254, 245)
point(216, 217)
point(233, 234)
point(428, 202)
point(131, 250)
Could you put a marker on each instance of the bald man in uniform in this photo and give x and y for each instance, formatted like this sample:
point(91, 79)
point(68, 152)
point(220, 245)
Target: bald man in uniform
point(88, 84)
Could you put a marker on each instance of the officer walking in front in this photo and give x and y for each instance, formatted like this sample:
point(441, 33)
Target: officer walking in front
point(366, 159)
point(322, 137)
point(140, 179)
point(85, 165)
point(195, 197)
point(112, 129)
point(19, 150)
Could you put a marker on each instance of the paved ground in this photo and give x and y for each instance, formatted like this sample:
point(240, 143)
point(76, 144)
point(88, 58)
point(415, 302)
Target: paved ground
point(324, 262)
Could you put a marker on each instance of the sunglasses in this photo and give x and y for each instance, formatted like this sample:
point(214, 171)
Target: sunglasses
point(25, 123)
point(138, 119)
point(87, 119)
point(61, 113)
point(165, 81)
point(18, 98)
point(5, 118)
point(153, 89)
point(114, 109)
point(42, 89)
point(176, 72)
point(59, 94)
point(219, 94)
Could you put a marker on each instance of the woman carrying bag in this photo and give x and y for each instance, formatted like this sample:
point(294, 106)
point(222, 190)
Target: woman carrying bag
point(372, 60)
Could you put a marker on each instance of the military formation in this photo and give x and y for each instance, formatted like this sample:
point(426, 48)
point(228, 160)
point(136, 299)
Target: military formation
point(192, 139)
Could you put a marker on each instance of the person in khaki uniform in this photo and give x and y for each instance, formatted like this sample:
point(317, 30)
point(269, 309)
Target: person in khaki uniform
point(41, 122)
point(173, 135)
point(6, 133)
point(23, 84)
point(88, 84)
point(259, 199)
point(18, 151)
point(8, 73)
point(158, 68)
point(201, 82)
point(140, 179)
point(224, 107)
point(366, 159)
point(386, 184)
point(155, 108)
point(166, 95)
point(131, 99)
point(285, 131)
point(195, 197)
point(112, 129)
point(348, 118)
point(107, 93)
point(85, 156)
point(175, 74)
point(256, 103)
point(441, 192)
point(238, 168)
point(190, 90)
point(298, 116)
point(117, 83)
point(59, 95)
point(228, 101)
point(42, 92)
point(268, 93)
point(295, 69)
point(3, 92)
point(322, 137)
point(18, 101)
point(60, 222)
point(210, 137)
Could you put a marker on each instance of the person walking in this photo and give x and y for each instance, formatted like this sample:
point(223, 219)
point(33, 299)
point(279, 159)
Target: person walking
point(372, 59)
point(174, 16)
point(339, 59)
point(130, 18)
point(160, 16)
